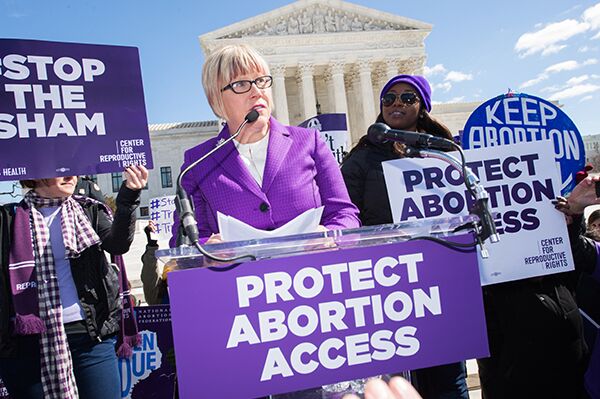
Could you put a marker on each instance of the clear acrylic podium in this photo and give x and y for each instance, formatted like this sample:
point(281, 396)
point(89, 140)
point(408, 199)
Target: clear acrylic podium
point(266, 248)
point(446, 231)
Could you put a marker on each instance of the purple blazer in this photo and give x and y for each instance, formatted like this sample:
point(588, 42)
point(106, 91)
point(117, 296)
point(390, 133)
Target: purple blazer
point(300, 174)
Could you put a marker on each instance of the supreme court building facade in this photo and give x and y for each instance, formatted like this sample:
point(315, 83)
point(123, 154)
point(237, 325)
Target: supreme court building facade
point(326, 56)
point(329, 56)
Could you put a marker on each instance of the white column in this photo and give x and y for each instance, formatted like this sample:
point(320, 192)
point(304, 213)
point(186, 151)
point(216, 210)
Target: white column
point(340, 104)
point(309, 101)
point(279, 94)
point(379, 78)
point(412, 65)
point(391, 68)
point(366, 93)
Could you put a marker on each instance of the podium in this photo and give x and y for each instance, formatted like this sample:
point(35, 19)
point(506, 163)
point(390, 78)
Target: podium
point(319, 308)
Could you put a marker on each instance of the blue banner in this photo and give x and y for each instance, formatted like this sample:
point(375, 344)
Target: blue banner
point(518, 117)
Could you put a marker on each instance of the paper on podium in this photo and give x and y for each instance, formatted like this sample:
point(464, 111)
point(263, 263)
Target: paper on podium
point(232, 229)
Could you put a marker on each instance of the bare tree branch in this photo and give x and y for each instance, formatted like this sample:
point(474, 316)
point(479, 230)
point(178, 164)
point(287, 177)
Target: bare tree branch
point(15, 192)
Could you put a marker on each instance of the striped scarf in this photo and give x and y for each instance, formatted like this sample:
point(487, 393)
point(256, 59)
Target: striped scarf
point(56, 365)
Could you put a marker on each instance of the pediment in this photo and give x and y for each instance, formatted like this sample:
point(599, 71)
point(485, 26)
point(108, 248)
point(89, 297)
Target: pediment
point(310, 17)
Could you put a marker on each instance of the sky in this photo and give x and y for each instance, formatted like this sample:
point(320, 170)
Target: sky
point(476, 50)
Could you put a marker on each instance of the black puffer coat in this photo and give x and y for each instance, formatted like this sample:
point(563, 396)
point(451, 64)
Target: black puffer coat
point(363, 175)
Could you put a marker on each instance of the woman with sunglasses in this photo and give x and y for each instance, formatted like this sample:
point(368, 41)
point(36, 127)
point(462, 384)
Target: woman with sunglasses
point(405, 103)
point(270, 173)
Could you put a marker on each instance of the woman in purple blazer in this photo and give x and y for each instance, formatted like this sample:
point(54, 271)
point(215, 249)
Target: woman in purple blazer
point(270, 173)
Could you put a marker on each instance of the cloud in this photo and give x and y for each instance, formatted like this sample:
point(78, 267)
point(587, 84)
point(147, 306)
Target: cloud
point(569, 65)
point(551, 89)
point(577, 80)
point(532, 82)
point(553, 49)
point(449, 79)
point(575, 91)
point(548, 39)
point(562, 66)
point(586, 98)
point(592, 16)
point(455, 76)
point(446, 86)
point(434, 70)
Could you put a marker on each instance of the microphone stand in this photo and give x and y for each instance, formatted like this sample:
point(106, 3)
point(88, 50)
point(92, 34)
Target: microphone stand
point(487, 228)
point(187, 233)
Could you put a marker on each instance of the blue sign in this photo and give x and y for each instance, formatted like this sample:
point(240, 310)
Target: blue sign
point(517, 117)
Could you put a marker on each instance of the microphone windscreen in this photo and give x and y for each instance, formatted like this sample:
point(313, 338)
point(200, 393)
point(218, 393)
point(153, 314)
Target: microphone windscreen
point(252, 116)
point(376, 132)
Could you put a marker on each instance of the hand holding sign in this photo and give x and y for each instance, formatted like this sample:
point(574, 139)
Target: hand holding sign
point(583, 195)
point(136, 177)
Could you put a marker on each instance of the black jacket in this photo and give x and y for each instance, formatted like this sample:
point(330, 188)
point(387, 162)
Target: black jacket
point(586, 258)
point(363, 175)
point(535, 334)
point(97, 281)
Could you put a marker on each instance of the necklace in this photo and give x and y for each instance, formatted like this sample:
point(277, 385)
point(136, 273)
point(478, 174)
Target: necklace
point(258, 172)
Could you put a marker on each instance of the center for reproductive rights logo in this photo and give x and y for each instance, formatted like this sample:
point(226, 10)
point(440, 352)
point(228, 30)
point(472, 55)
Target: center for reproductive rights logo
point(517, 117)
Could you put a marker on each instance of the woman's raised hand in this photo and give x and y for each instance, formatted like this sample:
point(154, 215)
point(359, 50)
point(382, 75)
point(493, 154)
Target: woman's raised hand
point(136, 177)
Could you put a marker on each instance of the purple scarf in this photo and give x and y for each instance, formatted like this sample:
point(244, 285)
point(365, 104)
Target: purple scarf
point(129, 336)
point(22, 276)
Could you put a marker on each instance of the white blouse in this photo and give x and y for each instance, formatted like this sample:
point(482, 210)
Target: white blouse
point(254, 156)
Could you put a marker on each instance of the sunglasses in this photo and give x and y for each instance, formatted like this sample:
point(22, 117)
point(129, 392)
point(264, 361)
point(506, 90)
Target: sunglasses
point(244, 86)
point(408, 98)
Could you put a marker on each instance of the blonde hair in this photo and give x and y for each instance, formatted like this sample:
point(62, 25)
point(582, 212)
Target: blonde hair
point(224, 65)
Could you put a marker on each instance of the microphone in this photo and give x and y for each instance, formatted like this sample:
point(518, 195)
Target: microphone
point(188, 226)
point(380, 133)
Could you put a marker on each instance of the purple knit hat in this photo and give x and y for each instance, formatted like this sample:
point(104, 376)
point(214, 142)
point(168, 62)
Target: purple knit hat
point(418, 82)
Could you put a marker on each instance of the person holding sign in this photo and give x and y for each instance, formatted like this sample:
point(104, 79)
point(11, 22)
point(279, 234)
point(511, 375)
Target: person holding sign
point(270, 173)
point(405, 103)
point(585, 253)
point(61, 314)
point(153, 283)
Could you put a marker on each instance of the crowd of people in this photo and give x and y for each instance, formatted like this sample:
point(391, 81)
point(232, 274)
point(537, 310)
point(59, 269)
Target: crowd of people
point(61, 299)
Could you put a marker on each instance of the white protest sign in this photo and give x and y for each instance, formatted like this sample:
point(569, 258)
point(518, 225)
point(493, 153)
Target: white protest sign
point(521, 180)
point(161, 212)
point(334, 131)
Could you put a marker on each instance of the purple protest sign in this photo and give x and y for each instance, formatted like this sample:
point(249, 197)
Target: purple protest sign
point(282, 325)
point(70, 109)
point(150, 372)
point(333, 129)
